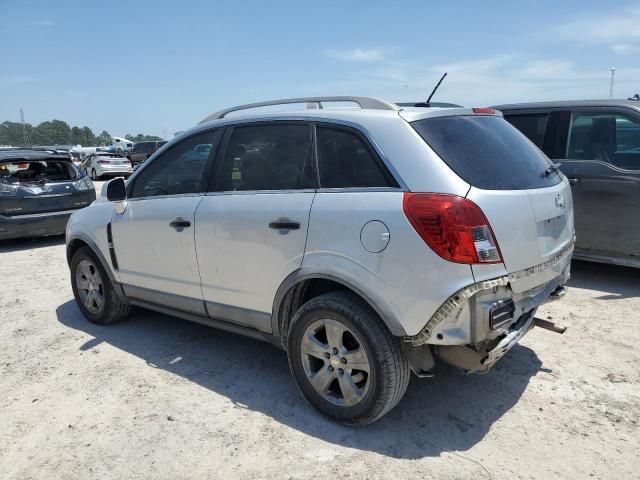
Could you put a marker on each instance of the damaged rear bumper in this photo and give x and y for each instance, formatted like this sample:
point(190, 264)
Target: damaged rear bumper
point(473, 361)
point(477, 325)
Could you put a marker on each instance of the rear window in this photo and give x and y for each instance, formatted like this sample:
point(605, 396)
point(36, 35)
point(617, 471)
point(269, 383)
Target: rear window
point(36, 171)
point(487, 152)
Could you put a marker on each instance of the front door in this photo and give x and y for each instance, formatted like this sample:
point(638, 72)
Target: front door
point(251, 231)
point(602, 163)
point(154, 236)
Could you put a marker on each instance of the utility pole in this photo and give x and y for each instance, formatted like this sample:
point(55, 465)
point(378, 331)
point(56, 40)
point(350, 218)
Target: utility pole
point(613, 72)
point(25, 135)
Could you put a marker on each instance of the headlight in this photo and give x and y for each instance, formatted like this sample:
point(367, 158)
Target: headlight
point(8, 189)
point(84, 183)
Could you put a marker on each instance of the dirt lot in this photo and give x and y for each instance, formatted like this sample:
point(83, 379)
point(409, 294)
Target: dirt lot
point(158, 397)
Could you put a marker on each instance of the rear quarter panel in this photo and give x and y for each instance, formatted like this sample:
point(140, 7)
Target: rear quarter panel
point(407, 281)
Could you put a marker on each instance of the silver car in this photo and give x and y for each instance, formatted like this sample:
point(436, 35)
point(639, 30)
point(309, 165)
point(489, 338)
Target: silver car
point(101, 164)
point(366, 242)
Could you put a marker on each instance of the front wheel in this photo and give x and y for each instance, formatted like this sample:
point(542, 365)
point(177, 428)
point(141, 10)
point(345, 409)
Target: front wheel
point(343, 359)
point(93, 290)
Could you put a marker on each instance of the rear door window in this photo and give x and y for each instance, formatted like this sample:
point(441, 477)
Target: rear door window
point(346, 161)
point(487, 152)
point(531, 124)
point(267, 157)
point(612, 138)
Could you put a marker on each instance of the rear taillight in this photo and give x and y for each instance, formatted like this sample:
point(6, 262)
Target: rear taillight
point(104, 162)
point(454, 227)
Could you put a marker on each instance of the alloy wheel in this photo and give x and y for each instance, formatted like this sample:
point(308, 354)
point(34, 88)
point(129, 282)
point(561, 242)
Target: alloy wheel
point(90, 286)
point(335, 362)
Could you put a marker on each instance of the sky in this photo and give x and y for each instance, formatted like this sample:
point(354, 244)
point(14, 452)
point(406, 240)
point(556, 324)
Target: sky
point(160, 67)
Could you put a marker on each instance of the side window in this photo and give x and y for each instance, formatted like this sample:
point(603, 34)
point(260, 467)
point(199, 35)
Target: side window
point(177, 171)
point(609, 137)
point(267, 157)
point(532, 125)
point(345, 161)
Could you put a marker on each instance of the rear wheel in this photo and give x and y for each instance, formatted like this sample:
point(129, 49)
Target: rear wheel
point(93, 290)
point(344, 361)
point(94, 175)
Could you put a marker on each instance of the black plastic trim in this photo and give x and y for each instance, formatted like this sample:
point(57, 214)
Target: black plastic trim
point(180, 302)
point(210, 322)
point(112, 251)
point(242, 316)
point(300, 275)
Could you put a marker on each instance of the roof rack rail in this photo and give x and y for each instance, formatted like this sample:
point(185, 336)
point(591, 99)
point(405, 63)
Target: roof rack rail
point(312, 103)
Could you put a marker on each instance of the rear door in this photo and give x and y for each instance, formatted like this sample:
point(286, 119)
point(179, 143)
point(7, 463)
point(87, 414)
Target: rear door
point(252, 228)
point(601, 158)
point(154, 236)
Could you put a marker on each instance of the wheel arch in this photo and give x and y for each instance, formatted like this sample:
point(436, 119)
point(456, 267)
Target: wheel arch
point(301, 286)
point(76, 242)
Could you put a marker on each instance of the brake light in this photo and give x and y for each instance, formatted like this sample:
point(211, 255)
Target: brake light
point(103, 162)
point(453, 227)
point(484, 110)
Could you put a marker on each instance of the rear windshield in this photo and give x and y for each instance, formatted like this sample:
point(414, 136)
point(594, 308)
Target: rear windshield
point(487, 152)
point(36, 171)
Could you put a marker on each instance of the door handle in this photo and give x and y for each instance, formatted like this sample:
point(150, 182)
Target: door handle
point(573, 181)
point(179, 223)
point(284, 224)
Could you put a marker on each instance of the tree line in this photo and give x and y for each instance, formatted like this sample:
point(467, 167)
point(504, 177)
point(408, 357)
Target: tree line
point(57, 132)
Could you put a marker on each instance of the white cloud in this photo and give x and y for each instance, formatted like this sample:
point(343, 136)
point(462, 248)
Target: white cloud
point(516, 77)
point(40, 23)
point(625, 49)
point(476, 66)
point(616, 27)
point(17, 79)
point(550, 69)
point(365, 55)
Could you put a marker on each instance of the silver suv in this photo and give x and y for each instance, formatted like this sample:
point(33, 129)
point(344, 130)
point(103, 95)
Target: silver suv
point(365, 241)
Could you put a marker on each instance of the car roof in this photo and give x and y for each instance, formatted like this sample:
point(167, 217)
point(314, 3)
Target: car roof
point(30, 154)
point(569, 104)
point(354, 115)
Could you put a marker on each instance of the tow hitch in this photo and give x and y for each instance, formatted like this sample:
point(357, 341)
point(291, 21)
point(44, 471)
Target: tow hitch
point(548, 325)
point(558, 293)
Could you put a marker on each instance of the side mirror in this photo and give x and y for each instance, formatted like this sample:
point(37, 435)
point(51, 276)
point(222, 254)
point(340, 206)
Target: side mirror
point(116, 191)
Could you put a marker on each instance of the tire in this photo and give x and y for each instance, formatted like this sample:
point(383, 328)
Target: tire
point(93, 174)
point(105, 306)
point(377, 391)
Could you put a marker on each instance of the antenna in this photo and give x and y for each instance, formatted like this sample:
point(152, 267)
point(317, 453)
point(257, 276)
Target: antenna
point(435, 89)
point(25, 135)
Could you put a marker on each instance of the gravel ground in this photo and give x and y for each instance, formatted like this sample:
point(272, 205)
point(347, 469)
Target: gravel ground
point(158, 397)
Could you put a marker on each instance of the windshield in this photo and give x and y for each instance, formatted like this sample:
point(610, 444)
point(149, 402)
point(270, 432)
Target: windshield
point(25, 171)
point(487, 152)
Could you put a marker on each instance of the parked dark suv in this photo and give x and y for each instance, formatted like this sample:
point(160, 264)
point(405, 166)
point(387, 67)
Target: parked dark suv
point(39, 189)
point(597, 143)
point(143, 150)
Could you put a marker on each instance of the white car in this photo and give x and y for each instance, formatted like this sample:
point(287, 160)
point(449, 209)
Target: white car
point(367, 243)
point(101, 164)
